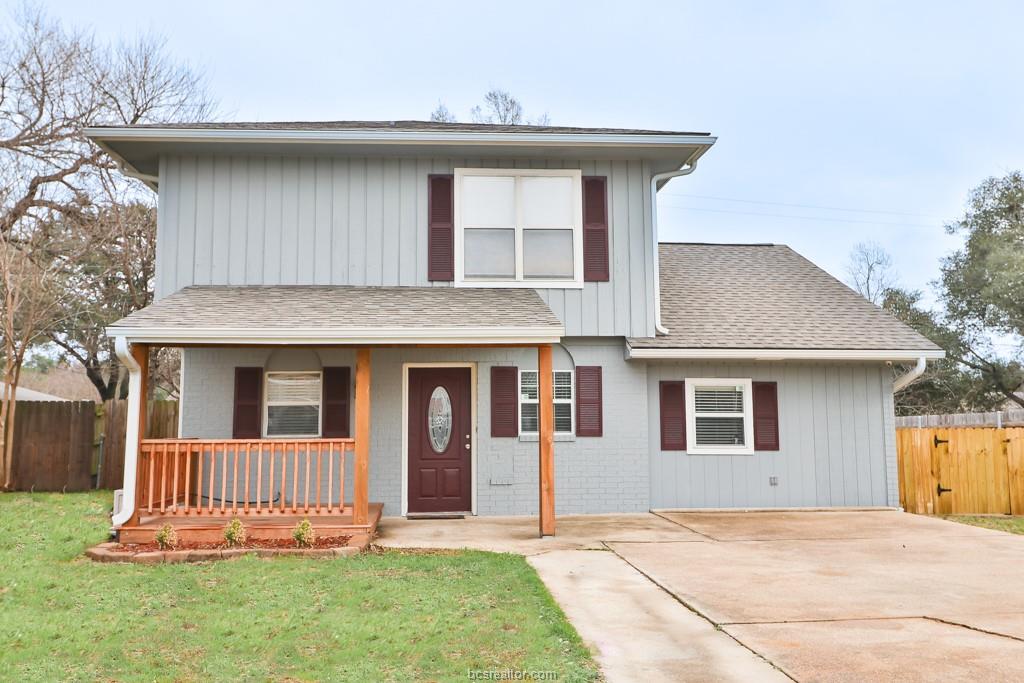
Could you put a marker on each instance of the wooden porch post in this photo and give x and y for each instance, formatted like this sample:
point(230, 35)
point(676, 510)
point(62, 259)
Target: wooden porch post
point(140, 352)
point(546, 412)
point(361, 479)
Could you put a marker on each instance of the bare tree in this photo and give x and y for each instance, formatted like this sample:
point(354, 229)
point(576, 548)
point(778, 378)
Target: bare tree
point(54, 182)
point(442, 114)
point(29, 296)
point(54, 83)
point(104, 285)
point(870, 271)
point(500, 107)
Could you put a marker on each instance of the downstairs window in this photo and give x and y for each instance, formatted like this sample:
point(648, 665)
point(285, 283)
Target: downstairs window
point(562, 392)
point(719, 415)
point(292, 406)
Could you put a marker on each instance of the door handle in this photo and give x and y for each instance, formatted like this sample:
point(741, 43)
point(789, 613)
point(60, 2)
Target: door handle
point(467, 446)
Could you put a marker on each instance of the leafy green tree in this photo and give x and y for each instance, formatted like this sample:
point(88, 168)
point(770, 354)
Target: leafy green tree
point(982, 284)
point(981, 324)
point(948, 385)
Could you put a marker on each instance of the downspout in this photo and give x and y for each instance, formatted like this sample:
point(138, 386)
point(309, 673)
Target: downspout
point(908, 378)
point(131, 437)
point(687, 169)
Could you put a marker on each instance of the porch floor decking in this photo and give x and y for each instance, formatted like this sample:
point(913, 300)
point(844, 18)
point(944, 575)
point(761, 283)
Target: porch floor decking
point(206, 528)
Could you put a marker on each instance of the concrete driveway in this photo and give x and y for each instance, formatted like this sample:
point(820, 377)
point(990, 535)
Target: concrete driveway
point(811, 596)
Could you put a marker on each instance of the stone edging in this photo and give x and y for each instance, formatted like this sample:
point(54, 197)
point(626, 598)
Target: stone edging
point(109, 552)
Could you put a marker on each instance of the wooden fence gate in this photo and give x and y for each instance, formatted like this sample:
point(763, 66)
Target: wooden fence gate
point(972, 470)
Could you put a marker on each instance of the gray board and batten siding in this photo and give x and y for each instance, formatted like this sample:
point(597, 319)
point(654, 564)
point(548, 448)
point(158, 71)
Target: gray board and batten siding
point(363, 221)
point(836, 438)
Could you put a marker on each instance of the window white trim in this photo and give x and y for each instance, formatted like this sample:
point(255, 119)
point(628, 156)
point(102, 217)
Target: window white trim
point(571, 402)
point(576, 282)
point(692, 446)
point(267, 403)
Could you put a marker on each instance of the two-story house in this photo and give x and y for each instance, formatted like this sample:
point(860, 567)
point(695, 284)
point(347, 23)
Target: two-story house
point(449, 319)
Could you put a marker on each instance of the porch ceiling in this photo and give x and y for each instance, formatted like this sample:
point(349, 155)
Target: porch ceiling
point(343, 315)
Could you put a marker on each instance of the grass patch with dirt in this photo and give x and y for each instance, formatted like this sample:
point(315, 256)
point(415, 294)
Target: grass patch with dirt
point(383, 616)
point(1013, 525)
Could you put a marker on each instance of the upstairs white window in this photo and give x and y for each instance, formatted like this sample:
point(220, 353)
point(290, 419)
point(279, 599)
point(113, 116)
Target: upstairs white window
point(562, 387)
point(719, 416)
point(292, 405)
point(518, 228)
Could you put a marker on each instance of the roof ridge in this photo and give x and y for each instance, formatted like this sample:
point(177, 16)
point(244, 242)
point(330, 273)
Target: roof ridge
point(721, 244)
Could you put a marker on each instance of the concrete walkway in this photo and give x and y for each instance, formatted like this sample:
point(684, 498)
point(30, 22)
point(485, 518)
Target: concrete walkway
point(808, 596)
point(637, 631)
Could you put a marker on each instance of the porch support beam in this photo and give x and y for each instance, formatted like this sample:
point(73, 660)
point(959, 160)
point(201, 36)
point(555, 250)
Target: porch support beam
point(546, 410)
point(361, 470)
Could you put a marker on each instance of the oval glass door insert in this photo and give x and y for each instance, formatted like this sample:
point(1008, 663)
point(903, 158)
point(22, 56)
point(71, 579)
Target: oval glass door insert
point(439, 419)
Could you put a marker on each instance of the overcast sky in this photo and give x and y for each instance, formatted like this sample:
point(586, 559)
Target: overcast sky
point(837, 122)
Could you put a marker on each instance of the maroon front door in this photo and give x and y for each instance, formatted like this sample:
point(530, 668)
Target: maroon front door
point(440, 440)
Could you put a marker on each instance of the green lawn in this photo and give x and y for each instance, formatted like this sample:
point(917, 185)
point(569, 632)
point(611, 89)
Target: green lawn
point(1013, 525)
point(392, 616)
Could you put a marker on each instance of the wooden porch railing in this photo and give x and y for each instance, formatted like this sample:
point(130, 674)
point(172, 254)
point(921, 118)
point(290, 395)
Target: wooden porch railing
point(232, 476)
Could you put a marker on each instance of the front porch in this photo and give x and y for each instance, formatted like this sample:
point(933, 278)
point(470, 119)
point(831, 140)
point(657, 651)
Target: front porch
point(307, 379)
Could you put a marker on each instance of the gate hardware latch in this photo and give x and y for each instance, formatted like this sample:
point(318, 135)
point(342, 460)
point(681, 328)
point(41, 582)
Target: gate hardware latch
point(938, 440)
point(940, 490)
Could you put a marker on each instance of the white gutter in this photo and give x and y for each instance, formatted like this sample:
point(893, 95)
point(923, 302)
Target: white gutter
point(911, 376)
point(393, 136)
point(781, 354)
point(339, 336)
point(131, 437)
point(687, 169)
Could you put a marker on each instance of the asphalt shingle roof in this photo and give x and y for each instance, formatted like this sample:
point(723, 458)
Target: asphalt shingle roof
point(765, 296)
point(402, 126)
point(287, 307)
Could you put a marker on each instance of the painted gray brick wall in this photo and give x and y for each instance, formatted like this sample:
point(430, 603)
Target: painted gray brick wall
point(596, 474)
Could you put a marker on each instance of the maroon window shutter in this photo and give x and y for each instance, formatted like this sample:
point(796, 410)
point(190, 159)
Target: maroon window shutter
point(504, 401)
point(595, 229)
point(766, 416)
point(248, 403)
point(337, 388)
point(589, 411)
point(673, 416)
point(441, 227)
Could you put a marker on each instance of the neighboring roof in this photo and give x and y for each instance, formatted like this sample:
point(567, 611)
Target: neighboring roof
point(437, 126)
point(308, 314)
point(729, 300)
point(138, 148)
point(23, 394)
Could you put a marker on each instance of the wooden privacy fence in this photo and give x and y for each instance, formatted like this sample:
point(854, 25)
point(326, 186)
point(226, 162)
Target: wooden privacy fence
point(961, 470)
point(78, 445)
point(53, 445)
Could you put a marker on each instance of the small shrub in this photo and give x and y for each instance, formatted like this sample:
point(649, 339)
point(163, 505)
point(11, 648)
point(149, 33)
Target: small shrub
point(304, 535)
point(167, 538)
point(234, 533)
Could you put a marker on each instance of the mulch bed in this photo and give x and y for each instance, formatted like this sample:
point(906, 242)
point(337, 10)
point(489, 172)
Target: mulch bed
point(254, 543)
